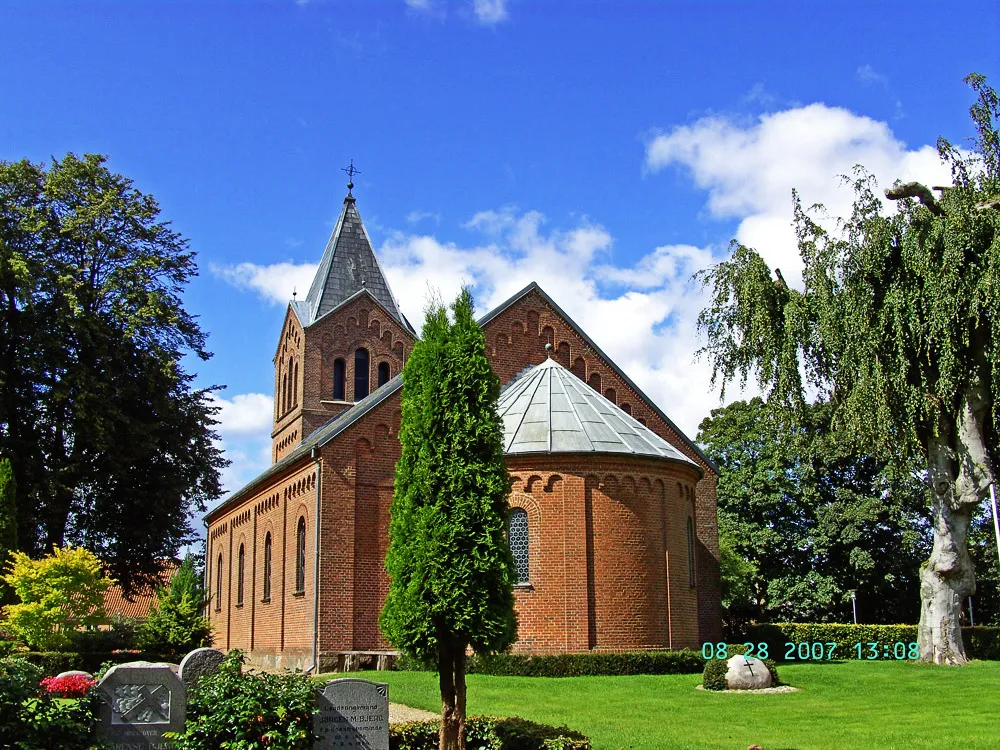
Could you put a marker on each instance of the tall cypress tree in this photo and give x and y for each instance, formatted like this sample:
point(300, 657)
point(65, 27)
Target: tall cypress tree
point(451, 569)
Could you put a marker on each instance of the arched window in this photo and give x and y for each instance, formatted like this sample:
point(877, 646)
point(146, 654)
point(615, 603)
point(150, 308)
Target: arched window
point(291, 384)
point(338, 380)
point(611, 395)
point(579, 368)
point(284, 393)
point(517, 537)
point(595, 381)
point(360, 374)
point(241, 564)
point(383, 373)
point(690, 531)
point(295, 385)
point(627, 409)
point(300, 556)
point(218, 584)
point(267, 567)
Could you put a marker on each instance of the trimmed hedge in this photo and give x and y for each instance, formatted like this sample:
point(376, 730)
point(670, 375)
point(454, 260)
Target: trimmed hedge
point(714, 676)
point(980, 642)
point(513, 733)
point(577, 665)
point(54, 662)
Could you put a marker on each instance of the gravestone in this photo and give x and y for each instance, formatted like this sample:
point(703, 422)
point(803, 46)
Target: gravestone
point(747, 673)
point(198, 664)
point(353, 715)
point(75, 673)
point(140, 701)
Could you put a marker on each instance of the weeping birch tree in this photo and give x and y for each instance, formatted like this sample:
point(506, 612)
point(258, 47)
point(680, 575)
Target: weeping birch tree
point(898, 326)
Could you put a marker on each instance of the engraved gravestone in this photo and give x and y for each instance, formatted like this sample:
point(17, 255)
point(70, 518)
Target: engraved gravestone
point(747, 673)
point(200, 663)
point(140, 702)
point(353, 715)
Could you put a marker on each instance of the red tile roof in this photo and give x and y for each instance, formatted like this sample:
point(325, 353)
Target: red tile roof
point(115, 602)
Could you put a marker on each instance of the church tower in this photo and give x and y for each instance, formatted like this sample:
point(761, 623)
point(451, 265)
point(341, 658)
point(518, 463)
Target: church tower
point(343, 341)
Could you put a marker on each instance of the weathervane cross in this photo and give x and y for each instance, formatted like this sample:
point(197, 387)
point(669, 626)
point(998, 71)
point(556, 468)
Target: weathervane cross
point(351, 171)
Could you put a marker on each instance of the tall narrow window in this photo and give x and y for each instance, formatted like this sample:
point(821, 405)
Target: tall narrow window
point(267, 567)
point(338, 380)
point(241, 564)
point(295, 385)
point(218, 584)
point(291, 384)
point(517, 536)
point(300, 556)
point(360, 374)
point(284, 393)
point(690, 531)
point(383, 373)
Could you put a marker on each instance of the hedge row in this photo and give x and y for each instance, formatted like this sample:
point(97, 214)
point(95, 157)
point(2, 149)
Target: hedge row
point(577, 665)
point(980, 642)
point(54, 662)
point(512, 733)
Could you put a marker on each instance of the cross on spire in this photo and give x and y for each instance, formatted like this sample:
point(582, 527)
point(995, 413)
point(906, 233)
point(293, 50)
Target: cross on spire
point(351, 171)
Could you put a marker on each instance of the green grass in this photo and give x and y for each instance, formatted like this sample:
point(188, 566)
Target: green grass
point(894, 705)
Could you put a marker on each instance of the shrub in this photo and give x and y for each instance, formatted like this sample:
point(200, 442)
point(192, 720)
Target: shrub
point(19, 680)
point(248, 710)
point(54, 662)
point(576, 665)
point(175, 623)
point(714, 675)
point(69, 686)
point(489, 733)
point(980, 642)
point(121, 637)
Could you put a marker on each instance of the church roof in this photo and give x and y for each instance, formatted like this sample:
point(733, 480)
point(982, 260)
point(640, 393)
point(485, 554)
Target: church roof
point(550, 410)
point(347, 267)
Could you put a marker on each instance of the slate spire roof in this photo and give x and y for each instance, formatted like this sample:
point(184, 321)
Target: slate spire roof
point(550, 410)
point(348, 266)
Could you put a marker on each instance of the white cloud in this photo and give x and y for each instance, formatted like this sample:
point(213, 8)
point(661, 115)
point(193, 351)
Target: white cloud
point(243, 414)
point(489, 12)
point(275, 282)
point(415, 217)
point(749, 171)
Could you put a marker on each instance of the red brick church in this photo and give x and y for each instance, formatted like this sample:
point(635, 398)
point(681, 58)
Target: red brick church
point(613, 508)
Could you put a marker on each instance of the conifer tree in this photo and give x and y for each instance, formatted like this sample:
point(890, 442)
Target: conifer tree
point(451, 569)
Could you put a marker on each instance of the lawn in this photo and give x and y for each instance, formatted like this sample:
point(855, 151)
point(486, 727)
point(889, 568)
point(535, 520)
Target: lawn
point(894, 705)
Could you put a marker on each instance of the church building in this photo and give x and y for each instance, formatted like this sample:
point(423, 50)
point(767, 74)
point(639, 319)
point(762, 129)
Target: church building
point(613, 509)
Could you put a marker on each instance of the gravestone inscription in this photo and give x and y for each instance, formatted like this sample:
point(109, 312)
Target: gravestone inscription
point(140, 702)
point(353, 715)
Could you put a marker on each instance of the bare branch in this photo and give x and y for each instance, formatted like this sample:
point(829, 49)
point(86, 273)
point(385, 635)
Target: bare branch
point(915, 190)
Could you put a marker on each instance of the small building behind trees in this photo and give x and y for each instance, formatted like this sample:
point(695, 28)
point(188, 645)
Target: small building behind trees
point(613, 509)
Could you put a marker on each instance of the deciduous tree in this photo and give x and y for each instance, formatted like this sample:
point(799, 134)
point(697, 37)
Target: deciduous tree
point(451, 569)
point(897, 327)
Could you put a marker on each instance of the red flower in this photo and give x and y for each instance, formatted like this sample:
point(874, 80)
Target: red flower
point(70, 686)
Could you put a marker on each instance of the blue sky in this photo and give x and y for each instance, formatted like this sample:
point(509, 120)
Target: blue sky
point(607, 150)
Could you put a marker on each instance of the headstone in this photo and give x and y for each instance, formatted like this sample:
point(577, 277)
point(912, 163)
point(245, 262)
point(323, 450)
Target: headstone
point(353, 715)
point(747, 673)
point(198, 664)
point(140, 702)
point(75, 673)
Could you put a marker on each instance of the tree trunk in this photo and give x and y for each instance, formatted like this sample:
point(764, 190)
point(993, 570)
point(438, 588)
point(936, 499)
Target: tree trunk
point(449, 737)
point(460, 694)
point(959, 474)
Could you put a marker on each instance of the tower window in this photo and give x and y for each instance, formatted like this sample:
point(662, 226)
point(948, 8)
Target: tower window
point(267, 567)
point(360, 374)
point(300, 556)
point(284, 393)
point(239, 576)
point(338, 380)
point(690, 534)
point(218, 584)
point(517, 537)
point(383, 373)
point(295, 385)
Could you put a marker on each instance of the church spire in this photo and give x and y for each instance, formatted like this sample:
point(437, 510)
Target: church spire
point(348, 266)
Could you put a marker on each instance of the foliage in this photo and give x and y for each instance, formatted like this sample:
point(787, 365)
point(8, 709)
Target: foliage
point(54, 662)
point(489, 733)
point(68, 686)
point(243, 710)
point(62, 591)
point(805, 515)
point(31, 719)
point(451, 569)
point(8, 519)
point(575, 665)
point(896, 328)
point(113, 448)
point(175, 623)
point(713, 676)
point(980, 642)
point(122, 636)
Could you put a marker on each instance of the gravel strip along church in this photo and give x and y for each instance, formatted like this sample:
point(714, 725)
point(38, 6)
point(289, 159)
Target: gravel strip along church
point(613, 509)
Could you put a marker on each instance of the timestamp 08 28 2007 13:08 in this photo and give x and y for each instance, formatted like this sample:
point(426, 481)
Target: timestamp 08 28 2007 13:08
point(820, 651)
